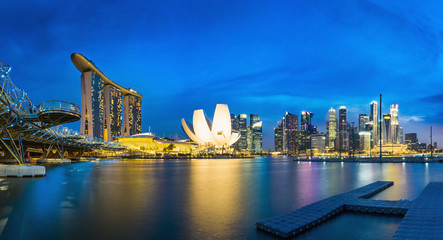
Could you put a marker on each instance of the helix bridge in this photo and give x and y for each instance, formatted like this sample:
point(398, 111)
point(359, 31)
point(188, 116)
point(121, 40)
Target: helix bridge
point(24, 125)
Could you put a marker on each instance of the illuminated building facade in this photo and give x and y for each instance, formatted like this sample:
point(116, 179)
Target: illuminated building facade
point(402, 141)
point(132, 115)
point(239, 123)
point(146, 142)
point(331, 128)
point(291, 133)
point(365, 141)
point(395, 128)
point(256, 133)
point(318, 143)
point(363, 119)
point(343, 133)
point(113, 112)
point(373, 118)
point(287, 134)
point(242, 128)
point(386, 133)
point(305, 122)
point(107, 109)
point(278, 137)
point(92, 105)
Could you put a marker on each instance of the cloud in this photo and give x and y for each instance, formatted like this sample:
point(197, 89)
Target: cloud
point(408, 119)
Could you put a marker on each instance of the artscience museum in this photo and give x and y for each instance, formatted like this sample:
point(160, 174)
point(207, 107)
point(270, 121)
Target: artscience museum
point(218, 134)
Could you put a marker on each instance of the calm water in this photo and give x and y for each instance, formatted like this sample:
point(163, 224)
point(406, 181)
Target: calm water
point(196, 199)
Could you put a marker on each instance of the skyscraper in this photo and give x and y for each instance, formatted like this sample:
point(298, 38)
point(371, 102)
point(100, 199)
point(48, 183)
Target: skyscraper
point(386, 133)
point(278, 137)
point(239, 123)
point(343, 138)
point(395, 128)
point(305, 125)
point(354, 139)
point(291, 129)
point(234, 123)
point(92, 105)
point(342, 117)
point(373, 118)
point(365, 141)
point(242, 127)
point(401, 140)
point(113, 112)
point(234, 126)
point(132, 115)
point(362, 120)
point(331, 130)
point(318, 142)
point(256, 133)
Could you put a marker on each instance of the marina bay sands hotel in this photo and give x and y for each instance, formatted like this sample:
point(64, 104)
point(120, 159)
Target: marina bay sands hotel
point(108, 110)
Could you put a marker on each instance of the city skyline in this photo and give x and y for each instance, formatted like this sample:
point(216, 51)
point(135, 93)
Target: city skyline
point(305, 56)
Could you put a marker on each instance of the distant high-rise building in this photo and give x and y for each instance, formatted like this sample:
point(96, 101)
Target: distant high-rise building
point(242, 127)
point(256, 133)
point(343, 134)
point(235, 126)
point(386, 133)
point(284, 138)
point(363, 119)
point(395, 128)
point(402, 139)
point(234, 122)
point(306, 129)
point(278, 137)
point(249, 138)
point(342, 117)
point(331, 130)
point(411, 138)
point(373, 117)
point(354, 139)
point(365, 141)
point(291, 133)
point(318, 142)
point(239, 123)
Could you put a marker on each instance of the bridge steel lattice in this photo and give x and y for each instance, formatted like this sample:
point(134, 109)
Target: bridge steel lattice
point(21, 121)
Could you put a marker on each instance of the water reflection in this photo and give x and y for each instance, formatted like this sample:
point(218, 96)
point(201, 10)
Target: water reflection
point(215, 194)
point(192, 199)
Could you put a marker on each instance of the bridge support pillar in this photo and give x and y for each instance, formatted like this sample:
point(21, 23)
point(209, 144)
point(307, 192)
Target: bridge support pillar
point(59, 150)
point(14, 148)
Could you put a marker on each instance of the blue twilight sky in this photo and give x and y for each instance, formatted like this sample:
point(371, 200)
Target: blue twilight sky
point(262, 57)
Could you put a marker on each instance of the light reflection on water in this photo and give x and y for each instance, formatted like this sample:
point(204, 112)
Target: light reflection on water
point(196, 199)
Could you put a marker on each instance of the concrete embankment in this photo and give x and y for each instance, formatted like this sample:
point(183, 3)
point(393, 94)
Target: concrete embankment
point(22, 171)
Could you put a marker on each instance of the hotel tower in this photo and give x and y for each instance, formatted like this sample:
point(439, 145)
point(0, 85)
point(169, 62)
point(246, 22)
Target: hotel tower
point(108, 110)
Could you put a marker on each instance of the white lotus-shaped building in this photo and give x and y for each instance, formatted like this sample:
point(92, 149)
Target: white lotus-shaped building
point(219, 133)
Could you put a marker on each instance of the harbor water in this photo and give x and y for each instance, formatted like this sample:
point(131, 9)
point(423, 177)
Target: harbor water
point(197, 198)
